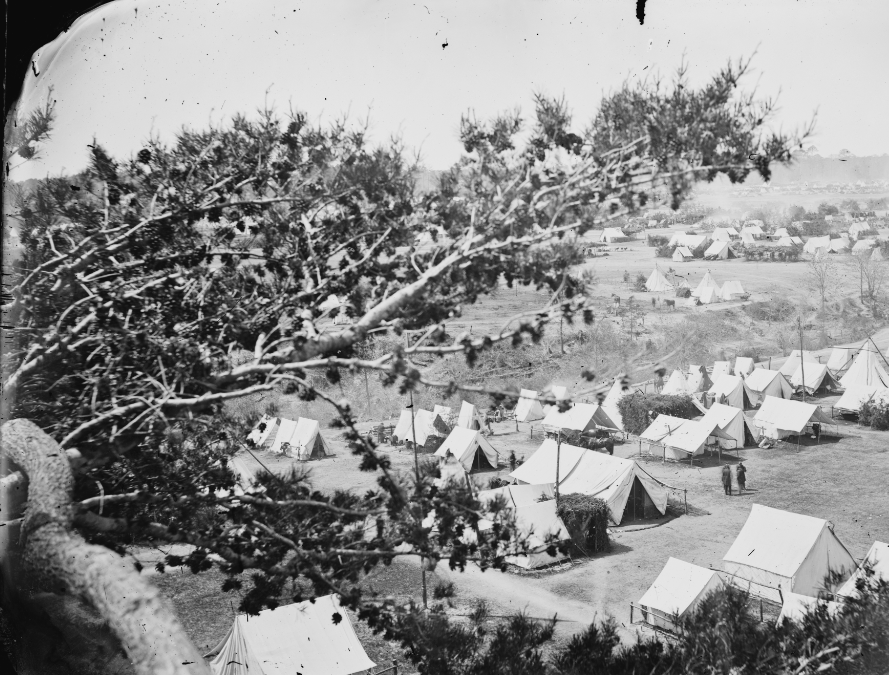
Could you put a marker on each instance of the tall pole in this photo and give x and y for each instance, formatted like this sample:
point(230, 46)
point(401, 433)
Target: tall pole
point(802, 360)
point(417, 470)
point(558, 453)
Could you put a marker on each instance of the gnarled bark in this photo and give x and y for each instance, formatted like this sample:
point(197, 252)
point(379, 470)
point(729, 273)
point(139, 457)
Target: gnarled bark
point(57, 559)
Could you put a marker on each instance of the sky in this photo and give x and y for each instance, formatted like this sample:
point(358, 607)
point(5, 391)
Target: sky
point(133, 68)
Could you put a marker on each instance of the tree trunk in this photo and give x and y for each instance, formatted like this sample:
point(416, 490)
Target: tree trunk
point(57, 559)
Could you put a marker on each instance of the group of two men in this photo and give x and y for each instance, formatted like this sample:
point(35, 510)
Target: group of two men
point(741, 474)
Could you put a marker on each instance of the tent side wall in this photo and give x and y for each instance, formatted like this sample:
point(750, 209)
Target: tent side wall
point(828, 553)
point(758, 582)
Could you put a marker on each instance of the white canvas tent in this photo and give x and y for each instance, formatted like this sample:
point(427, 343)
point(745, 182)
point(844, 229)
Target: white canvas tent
point(786, 241)
point(263, 429)
point(442, 411)
point(779, 418)
point(743, 366)
point(817, 377)
point(857, 228)
point(307, 441)
point(283, 435)
point(720, 368)
point(754, 227)
point(733, 423)
point(678, 590)
point(698, 380)
point(470, 417)
point(609, 405)
point(541, 466)
point(747, 238)
point(858, 394)
point(612, 234)
point(762, 382)
point(709, 296)
point(427, 425)
point(528, 407)
point(719, 250)
point(796, 607)
point(679, 438)
point(731, 290)
point(517, 496)
point(629, 492)
point(721, 234)
point(469, 448)
point(780, 232)
point(838, 245)
point(791, 364)
point(869, 367)
point(677, 384)
point(841, 357)
point(878, 559)
point(788, 551)
point(814, 244)
point(331, 303)
point(863, 246)
point(728, 389)
point(580, 417)
point(541, 519)
point(877, 255)
point(682, 254)
point(298, 638)
point(691, 241)
point(706, 282)
point(657, 283)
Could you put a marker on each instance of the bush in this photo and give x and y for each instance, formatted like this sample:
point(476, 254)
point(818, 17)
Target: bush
point(665, 250)
point(634, 409)
point(640, 283)
point(657, 240)
point(875, 415)
point(586, 518)
point(444, 589)
point(777, 309)
point(496, 482)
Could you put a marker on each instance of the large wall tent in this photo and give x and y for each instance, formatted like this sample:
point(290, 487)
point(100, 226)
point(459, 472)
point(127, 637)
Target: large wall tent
point(299, 438)
point(469, 448)
point(519, 495)
point(787, 552)
point(719, 250)
point(792, 363)
point(815, 244)
point(779, 418)
point(541, 466)
point(733, 423)
point(470, 417)
point(528, 407)
point(678, 438)
point(580, 417)
point(869, 367)
point(817, 378)
point(298, 638)
point(743, 366)
point(762, 383)
point(857, 395)
point(428, 428)
point(878, 560)
point(728, 389)
point(678, 590)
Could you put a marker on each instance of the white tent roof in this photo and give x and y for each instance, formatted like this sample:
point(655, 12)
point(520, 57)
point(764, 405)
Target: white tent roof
point(518, 495)
point(863, 245)
point(528, 407)
point(792, 363)
point(541, 466)
point(657, 283)
point(790, 551)
point(744, 366)
point(763, 382)
point(720, 368)
point(815, 374)
point(285, 433)
point(857, 394)
point(709, 295)
point(698, 380)
point(731, 421)
point(841, 356)
point(877, 254)
point(718, 249)
point(747, 238)
point(609, 405)
point(706, 282)
point(781, 232)
point(729, 388)
point(307, 440)
point(721, 234)
point(837, 245)
point(780, 417)
point(730, 289)
point(785, 241)
point(692, 241)
point(679, 588)
point(753, 227)
point(469, 415)
point(580, 417)
point(677, 384)
point(685, 437)
point(464, 444)
point(262, 430)
point(294, 638)
point(424, 426)
point(796, 606)
point(541, 519)
point(610, 233)
point(682, 252)
point(332, 302)
point(878, 558)
point(869, 367)
point(441, 410)
point(815, 243)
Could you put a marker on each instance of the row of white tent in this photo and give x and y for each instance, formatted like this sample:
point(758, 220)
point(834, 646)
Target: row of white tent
point(707, 291)
point(779, 556)
point(301, 438)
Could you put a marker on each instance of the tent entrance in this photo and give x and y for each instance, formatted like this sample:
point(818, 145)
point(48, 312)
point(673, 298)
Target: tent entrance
point(480, 460)
point(748, 436)
point(317, 451)
point(639, 505)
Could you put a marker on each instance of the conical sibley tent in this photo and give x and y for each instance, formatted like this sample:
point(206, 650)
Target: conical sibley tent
point(657, 283)
point(528, 407)
point(868, 368)
point(706, 282)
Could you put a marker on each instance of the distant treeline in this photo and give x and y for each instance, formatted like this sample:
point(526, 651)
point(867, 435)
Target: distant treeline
point(824, 170)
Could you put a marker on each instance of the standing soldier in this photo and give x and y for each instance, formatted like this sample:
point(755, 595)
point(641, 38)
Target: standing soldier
point(742, 478)
point(727, 479)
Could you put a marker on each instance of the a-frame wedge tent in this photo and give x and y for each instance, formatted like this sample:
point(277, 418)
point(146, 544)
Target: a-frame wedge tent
point(298, 638)
point(878, 559)
point(719, 250)
point(657, 283)
point(720, 368)
point(706, 282)
point(469, 448)
point(817, 378)
point(470, 417)
point(763, 382)
point(792, 363)
point(528, 407)
point(869, 367)
point(788, 551)
point(731, 290)
point(307, 442)
point(733, 423)
point(698, 379)
point(541, 466)
point(427, 425)
point(677, 384)
point(779, 418)
point(629, 492)
point(678, 589)
point(580, 417)
point(857, 395)
point(743, 366)
point(728, 389)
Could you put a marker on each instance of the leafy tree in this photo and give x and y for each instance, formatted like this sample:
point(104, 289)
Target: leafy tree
point(823, 276)
point(826, 209)
point(145, 282)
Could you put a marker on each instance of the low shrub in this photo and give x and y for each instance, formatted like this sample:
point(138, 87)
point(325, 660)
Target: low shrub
point(634, 409)
point(665, 250)
point(444, 589)
point(657, 240)
point(875, 415)
point(777, 309)
point(496, 482)
point(639, 286)
point(586, 518)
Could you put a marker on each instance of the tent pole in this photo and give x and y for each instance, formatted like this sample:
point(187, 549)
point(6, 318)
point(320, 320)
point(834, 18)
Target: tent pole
point(685, 499)
point(417, 469)
point(558, 453)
